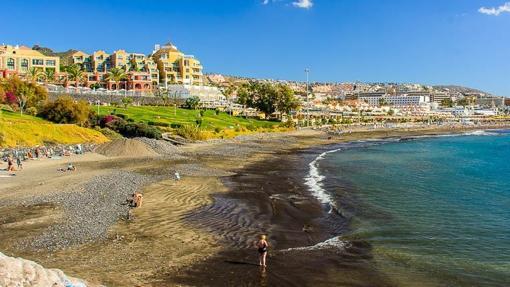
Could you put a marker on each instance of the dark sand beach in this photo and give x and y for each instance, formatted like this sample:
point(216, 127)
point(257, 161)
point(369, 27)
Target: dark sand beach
point(198, 231)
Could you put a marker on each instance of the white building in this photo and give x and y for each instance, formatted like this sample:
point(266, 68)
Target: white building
point(210, 97)
point(397, 101)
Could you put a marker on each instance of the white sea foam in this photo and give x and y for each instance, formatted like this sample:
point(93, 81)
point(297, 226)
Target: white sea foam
point(335, 243)
point(314, 181)
point(481, 133)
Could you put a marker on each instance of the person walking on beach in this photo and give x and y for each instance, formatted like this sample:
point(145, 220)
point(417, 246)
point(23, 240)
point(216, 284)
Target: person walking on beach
point(19, 163)
point(262, 246)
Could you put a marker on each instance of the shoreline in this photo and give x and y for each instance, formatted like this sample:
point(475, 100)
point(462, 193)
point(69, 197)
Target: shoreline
point(207, 189)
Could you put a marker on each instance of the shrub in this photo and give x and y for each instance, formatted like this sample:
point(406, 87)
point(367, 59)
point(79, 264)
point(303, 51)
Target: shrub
point(175, 125)
point(191, 132)
point(111, 134)
point(6, 108)
point(199, 122)
point(65, 110)
point(130, 130)
point(192, 103)
point(161, 124)
point(288, 124)
point(31, 111)
point(107, 119)
point(217, 130)
point(10, 98)
point(202, 113)
point(122, 116)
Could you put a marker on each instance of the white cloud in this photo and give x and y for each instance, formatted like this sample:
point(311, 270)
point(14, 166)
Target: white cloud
point(495, 11)
point(305, 4)
point(265, 2)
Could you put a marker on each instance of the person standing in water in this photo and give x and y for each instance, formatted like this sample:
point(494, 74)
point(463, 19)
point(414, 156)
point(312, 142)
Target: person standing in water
point(262, 246)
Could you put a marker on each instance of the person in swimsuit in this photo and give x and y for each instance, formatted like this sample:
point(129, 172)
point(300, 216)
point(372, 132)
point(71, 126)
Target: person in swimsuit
point(262, 246)
point(10, 164)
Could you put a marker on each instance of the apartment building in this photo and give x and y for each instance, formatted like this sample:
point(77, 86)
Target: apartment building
point(405, 100)
point(20, 59)
point(175, 67)
point(141, 71)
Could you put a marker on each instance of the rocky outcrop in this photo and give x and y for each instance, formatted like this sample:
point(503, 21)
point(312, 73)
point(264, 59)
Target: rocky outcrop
point(21, 272)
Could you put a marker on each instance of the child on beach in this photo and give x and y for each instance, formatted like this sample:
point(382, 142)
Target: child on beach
point(262, 246)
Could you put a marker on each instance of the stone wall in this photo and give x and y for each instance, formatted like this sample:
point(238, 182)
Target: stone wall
point(111, 99)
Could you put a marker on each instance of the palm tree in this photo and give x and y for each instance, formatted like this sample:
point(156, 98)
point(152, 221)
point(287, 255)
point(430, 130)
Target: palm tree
point(35, 74)
point(116, 75)
point(75, 73)
point(49, 75)
point(134, 67)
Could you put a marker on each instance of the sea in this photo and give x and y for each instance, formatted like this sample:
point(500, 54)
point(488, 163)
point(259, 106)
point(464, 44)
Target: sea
point(435, 210)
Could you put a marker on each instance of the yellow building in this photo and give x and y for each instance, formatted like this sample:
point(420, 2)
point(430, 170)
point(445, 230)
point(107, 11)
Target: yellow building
point(175, 67)
point(20, 59)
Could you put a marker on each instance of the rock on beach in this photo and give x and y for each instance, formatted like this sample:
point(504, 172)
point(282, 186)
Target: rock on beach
point(22, 272)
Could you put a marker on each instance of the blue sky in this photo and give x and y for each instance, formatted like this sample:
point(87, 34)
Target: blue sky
point(428, 41)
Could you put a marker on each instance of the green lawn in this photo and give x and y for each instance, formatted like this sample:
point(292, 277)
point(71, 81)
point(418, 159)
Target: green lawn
point(210, 120)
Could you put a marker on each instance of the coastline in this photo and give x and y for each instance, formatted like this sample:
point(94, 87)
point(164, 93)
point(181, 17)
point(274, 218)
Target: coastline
point(189, 232)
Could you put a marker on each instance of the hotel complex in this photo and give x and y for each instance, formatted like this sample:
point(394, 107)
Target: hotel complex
point(175, 67)
point(165, 66)
point(20, 60)
point(141, 73)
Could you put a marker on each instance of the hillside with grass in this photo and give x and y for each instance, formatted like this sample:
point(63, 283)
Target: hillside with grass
point(25, 130)
point(215, 124)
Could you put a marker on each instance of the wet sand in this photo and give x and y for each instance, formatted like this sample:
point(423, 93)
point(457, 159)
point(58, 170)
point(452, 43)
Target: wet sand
point(199, 231)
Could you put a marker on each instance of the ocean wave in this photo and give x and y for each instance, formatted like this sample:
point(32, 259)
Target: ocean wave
point(481, 133)
point(335, 243)
point(314, 181)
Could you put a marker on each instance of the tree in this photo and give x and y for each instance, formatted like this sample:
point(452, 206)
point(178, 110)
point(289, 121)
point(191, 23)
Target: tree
point(95, 86)
point(267, 97)
point(75, 73)
point(285, 99)
point(383, 102)
point(116, 75)
point(49, 75)
point(35, 74)
point(192, 103)
point(23, 94)
point(463, 102)
point(447, 103)
point(134, 67)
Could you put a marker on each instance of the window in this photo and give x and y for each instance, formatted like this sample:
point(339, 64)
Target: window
point(10, 64)
point(39, 62)
point(50, 62)
point(24, 65)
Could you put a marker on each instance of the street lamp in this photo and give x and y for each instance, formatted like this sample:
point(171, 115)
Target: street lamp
point(307, 71)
